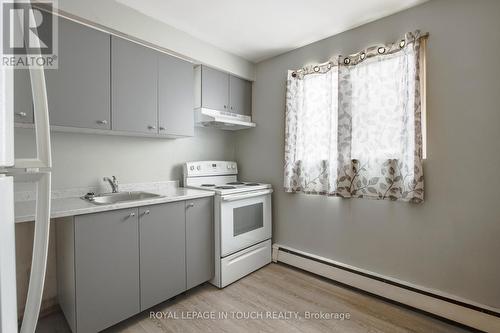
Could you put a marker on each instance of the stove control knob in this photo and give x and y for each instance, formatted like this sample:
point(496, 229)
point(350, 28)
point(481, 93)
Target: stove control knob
point(191, 167)
point(198, 167)
point(234, 166)
point(228, 166)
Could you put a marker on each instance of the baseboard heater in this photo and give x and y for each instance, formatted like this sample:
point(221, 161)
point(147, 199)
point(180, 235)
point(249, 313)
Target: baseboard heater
point(461, 311)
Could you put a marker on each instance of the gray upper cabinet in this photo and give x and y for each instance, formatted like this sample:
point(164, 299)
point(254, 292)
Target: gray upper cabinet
point(109, 83)
point(106, 268)
point(240, 96)
point(23, 105)
point(214, 89)
point(134, 87)
point(199, 241)
point(175, 96)
point(221, 91)
point(162, 252)
point(79, 90)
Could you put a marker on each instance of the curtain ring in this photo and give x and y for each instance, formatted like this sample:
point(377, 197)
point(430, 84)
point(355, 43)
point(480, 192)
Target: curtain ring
point(362, 56)
point(329, 65)
point(402, 43)
point(347, 61)
point(316, 68)
point(294, 74)
point(381, 50)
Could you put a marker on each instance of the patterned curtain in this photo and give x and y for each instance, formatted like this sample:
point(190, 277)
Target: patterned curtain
point(353, 127)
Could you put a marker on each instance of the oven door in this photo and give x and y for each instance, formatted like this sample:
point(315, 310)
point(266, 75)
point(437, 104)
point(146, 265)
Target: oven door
point(245, 220)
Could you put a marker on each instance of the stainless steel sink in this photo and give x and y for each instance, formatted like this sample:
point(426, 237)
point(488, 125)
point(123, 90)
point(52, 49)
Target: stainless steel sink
point(111, 198)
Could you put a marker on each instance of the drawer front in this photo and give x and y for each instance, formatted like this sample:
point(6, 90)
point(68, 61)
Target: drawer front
point(236, 266)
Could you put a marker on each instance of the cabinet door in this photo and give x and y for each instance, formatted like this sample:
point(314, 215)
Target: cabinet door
point(214, 89)
point(199, 241)
point(240, 98)
point(23, 101)
point(79, 90)
point(162, 254)
point(134, 86)
point(106, 268)
point(176, 96)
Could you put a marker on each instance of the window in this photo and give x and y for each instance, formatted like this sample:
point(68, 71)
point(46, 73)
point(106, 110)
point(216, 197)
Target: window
point(356, 129)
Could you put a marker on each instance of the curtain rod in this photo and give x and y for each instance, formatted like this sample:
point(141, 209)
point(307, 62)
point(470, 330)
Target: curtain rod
point(330, 63)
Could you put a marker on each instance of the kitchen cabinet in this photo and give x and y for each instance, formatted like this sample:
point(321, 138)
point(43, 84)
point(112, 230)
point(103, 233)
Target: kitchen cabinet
point(23, 105)
point(199, 241)
point(162, 252)
point(240, 96)
point(115, 86)
point(214, 89)
point(106, 268)
point(134, 87)
point(175, 96)
point(220, 91)
point(112, 265)
point(79, 90)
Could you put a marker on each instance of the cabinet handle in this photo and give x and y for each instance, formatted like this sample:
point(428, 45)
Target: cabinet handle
point(162, 128)
point(146, 212)
point(21, 114)
point(225, 106)
point(131, 215)
point(191, 204)
point(102, 122)
point(231, 107)
point(151, 127)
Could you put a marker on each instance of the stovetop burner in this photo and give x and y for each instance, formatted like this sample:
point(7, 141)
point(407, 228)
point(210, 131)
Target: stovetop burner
point(207, 185)
point(235, 183)
point(224, 187)
point(252, 184)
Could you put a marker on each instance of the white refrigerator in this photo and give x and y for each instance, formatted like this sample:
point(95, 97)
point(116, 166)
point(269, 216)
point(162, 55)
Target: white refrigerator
point(35, 170)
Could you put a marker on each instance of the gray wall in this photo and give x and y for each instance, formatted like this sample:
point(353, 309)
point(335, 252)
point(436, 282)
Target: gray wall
point(81, 160)
point(451, 242)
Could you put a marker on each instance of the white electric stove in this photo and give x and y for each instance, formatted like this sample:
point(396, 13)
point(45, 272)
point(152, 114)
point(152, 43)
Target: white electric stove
point(242, 218)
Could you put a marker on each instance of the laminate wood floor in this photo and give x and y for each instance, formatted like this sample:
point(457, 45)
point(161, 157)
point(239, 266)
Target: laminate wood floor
point(274, 299)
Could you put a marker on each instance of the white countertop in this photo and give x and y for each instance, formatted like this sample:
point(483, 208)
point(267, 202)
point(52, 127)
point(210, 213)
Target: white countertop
point(71, 206)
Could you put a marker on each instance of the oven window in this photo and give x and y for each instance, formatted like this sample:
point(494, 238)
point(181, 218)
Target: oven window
point(248, 218)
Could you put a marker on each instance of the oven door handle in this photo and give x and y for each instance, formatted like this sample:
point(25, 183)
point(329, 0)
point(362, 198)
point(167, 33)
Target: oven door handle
point(234, 197)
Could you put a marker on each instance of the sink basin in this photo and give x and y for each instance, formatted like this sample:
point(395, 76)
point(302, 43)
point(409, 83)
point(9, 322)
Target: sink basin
point(111, 198)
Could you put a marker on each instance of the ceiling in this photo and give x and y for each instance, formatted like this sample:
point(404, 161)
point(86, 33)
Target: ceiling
point(260, 29)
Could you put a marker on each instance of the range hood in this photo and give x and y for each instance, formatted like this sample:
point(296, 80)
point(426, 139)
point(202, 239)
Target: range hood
point(223, 120)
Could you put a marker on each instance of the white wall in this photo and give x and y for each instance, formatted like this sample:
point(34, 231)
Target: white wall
point(450, 243)
point(119, 17)
point(81, 160)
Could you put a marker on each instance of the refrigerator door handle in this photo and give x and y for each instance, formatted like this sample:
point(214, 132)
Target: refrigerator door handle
point(43, 157)
point(8, 298)
point(40, 251)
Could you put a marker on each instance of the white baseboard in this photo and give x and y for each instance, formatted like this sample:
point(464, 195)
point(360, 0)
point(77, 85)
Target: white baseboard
point(402, 292)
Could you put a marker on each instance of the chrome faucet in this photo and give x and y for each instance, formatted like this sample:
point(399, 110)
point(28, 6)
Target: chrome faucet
point(113, 182)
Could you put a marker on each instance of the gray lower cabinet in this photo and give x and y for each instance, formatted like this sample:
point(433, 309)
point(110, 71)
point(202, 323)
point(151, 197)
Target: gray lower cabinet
point(162, 252)
point(112, 265)
point(79, 90)
point(23, 105)
point(105, 253)
point(240, 96)
point(107, 268)
point(199, 241)
point(175, 96)
point(134, 87)
point(214, 89)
